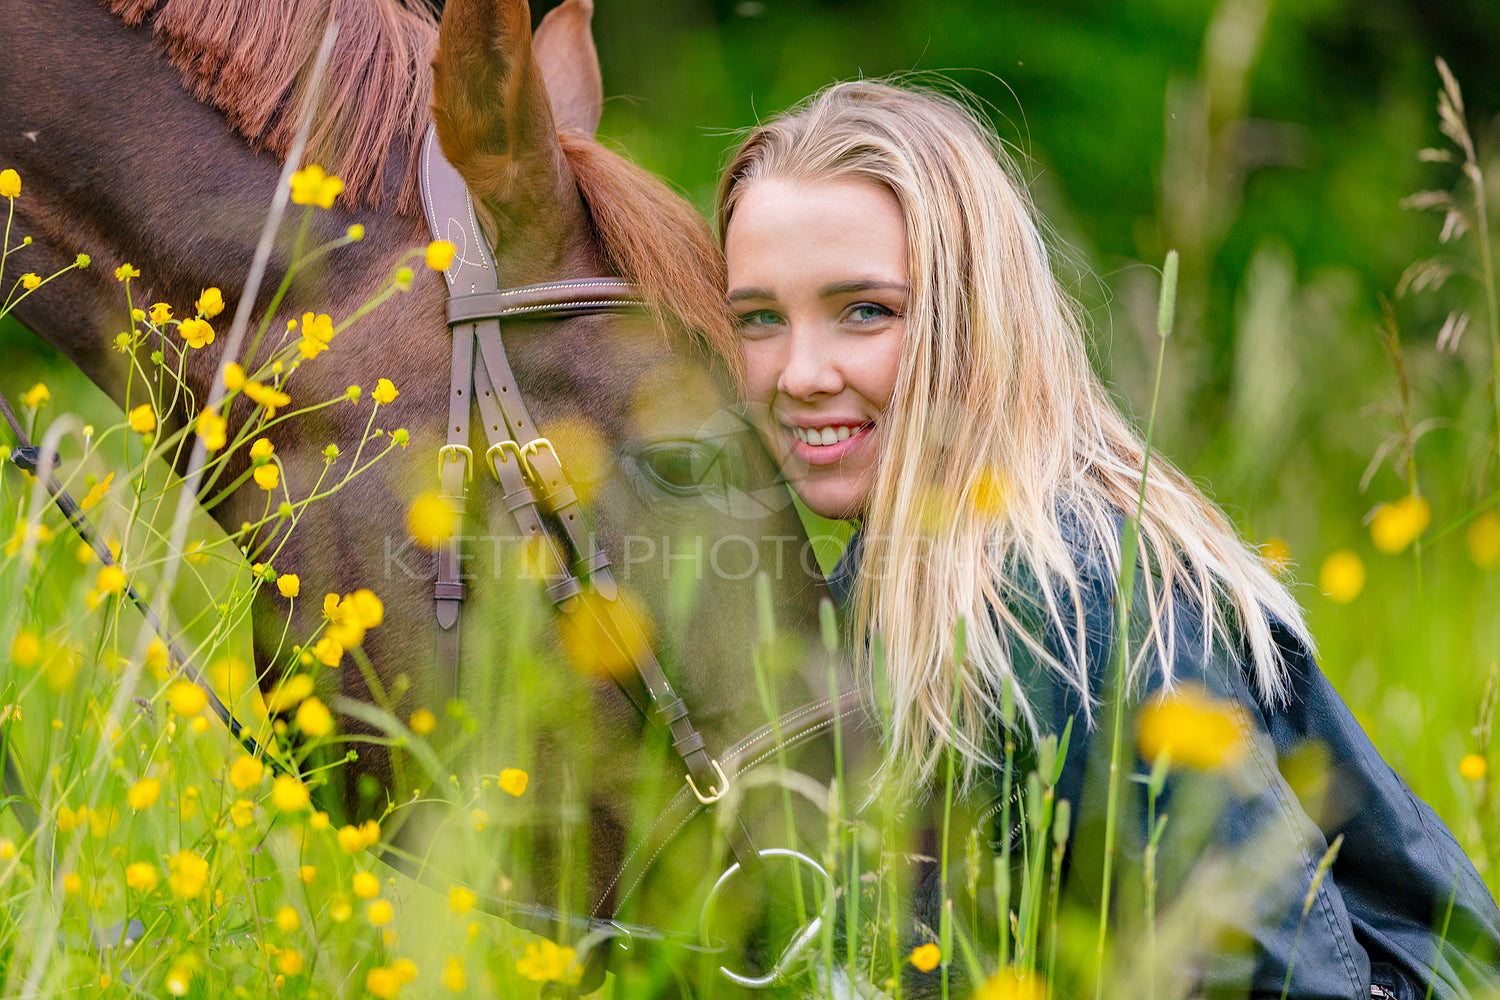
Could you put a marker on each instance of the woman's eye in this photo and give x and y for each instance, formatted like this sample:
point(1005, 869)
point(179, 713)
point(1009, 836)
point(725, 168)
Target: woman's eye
point(866, 312)
point(757, 320)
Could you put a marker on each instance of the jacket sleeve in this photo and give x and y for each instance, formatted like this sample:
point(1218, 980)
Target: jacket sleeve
point(1241, 846)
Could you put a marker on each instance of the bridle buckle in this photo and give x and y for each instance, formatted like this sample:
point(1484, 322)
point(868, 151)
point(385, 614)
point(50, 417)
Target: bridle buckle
point(716, 791)
point(461, 450)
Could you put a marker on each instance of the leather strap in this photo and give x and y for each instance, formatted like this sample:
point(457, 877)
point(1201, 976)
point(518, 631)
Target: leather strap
point(529, 469)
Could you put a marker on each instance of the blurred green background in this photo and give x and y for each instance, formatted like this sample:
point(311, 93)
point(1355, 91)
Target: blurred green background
point(1272, 144)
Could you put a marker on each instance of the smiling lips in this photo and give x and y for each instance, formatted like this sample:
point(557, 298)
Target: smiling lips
point(818, 445)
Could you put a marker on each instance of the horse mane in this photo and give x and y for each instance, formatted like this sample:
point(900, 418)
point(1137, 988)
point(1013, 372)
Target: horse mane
point(252, 61)
point(655, 240)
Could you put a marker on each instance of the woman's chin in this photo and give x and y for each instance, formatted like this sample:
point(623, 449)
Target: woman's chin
point(838, 501)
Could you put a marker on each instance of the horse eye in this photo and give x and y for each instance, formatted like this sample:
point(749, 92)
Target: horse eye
point(683, 468)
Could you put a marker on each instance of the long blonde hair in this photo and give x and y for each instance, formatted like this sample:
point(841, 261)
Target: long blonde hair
point(998, 432)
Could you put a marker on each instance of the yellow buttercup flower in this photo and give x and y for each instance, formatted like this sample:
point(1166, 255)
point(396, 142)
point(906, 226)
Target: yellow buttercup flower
point(1394, 526)
point(25, 648)
point(287, 920)
point(234, 377)
point(189, 874)
point(213, 430)
point(289, 693)
point(210, 303)
point(143, 794)
point(242, 813)
point(1473, 767)
point(72, 883)
point(382, 982)
point(312, 186)
point(187, 699)
point(30, 281)
point(430, 521)
point(351, 840)
point(1483, 538)
point(328, 652)
point(366, 886)
point(143, 419)
point(97, 493)
point(125, 272)
point(422, 722)
point(453, 974)
point(1194, 727)
point(111, 579)
point(461, 900)
point(267, 477)
point(1342, 576)
point(440, 254)
point(1007, 985)
point(367, 609)
point(513, 781)
point(1276, 553)
point(289, 584)
point(160, 313)
point(547, 962)
point(36, 396)
point(196, 332)
point(246, 772)
point(405, 969)
point(384, 392)
point(925, 957)
point(141, 876)
point(289, 962)
point(10, 184)
point(289, 795)
point(314, 719)
point(267, 396)
point(380, 912)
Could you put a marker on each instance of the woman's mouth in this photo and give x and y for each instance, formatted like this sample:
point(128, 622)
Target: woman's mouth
point(829, 443)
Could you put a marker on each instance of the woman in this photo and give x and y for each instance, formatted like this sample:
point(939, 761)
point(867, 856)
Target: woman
point(914, 364)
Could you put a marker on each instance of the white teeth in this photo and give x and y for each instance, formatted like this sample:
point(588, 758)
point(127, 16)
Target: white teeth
point(822, 437)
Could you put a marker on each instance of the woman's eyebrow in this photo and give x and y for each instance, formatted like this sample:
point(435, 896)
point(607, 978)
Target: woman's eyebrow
point(739, 294)
point(861, 285)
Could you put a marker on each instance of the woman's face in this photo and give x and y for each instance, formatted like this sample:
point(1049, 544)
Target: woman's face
point(818, 281)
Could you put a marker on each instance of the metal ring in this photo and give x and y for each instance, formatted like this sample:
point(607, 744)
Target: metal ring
point(461, 450)
point(794, 949)
point(714, 793)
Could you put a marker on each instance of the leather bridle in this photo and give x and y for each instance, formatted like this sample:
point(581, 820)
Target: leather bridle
point(576, 572)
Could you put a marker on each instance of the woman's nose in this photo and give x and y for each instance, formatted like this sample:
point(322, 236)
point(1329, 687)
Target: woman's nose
point(811, 366)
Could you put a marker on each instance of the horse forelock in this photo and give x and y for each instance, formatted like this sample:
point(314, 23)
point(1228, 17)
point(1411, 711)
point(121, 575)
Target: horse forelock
point(657, 241)
point(252, 60)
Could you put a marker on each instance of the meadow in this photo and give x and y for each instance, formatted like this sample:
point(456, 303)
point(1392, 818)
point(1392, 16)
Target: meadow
point(1347, 420)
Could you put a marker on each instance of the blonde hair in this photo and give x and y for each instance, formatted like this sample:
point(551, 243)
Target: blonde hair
point(1005, 464)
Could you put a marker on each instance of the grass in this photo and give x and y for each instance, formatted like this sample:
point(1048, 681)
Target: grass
point(145, 852)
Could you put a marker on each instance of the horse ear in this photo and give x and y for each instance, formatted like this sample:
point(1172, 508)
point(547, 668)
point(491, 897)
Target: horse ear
point(493, 116)
point(565, 50)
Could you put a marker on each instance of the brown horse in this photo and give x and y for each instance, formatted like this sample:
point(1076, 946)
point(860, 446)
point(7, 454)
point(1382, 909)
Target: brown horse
point(152, 132)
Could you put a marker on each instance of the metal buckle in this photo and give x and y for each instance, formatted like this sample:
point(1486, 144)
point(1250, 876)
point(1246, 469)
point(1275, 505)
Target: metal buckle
point(537, 444)
point(461, 450)
point(489, 456)
point(714, 794)
point(794, 949)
